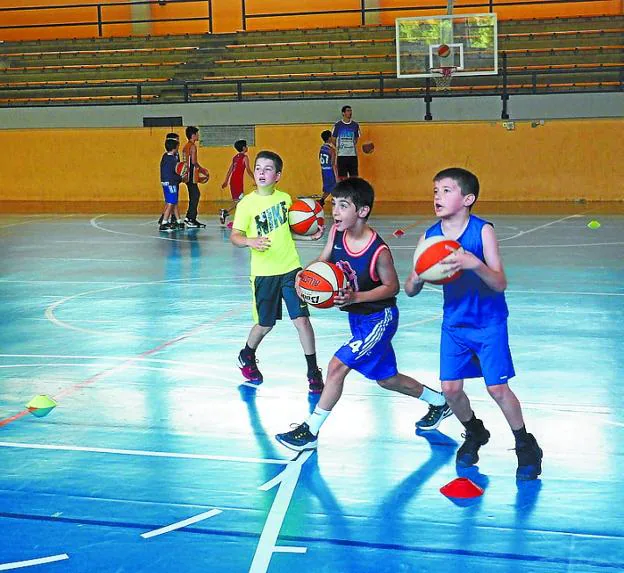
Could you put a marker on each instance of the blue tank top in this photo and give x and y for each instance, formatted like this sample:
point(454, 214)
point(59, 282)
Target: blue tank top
point(468, 301)
point(325, 159)
point(359, 269)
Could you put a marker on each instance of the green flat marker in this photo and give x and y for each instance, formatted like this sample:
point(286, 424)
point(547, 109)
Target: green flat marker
point(594, 224)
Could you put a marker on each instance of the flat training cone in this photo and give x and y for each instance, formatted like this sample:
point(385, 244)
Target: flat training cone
point(41, 405)
point(398, 233)
point(462, 488)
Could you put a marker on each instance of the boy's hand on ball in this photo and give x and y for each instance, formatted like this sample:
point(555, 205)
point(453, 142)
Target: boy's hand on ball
point(318, 233)
point(460, 260)
point(344, 296)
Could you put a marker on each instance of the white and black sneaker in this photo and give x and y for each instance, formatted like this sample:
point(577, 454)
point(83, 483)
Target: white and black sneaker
point(299, 439)
point(431, 420)
point(223, 215)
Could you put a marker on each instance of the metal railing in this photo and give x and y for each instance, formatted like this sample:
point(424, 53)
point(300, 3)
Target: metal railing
point(245, 89)
point(359, 7)
point(99, 19)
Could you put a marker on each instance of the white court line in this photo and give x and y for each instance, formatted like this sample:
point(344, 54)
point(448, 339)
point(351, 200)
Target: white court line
point(289, 549)
point(31, 562)
point(35, 220)
point(520, 233)
point(142, 453)
point(181, 524)
point(270, 532)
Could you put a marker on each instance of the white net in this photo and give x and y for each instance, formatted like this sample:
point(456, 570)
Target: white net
point(443, 77)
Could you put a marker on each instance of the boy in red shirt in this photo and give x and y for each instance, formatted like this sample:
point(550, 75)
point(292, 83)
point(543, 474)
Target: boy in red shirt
point(236, 177)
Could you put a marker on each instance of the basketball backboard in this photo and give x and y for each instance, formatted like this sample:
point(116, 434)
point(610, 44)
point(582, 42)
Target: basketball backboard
point(472, 39)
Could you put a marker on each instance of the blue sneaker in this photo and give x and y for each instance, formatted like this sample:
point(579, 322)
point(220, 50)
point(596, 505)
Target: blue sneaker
point(299, 439)
point(529, 459)
point(468, 453)
point(431, 420)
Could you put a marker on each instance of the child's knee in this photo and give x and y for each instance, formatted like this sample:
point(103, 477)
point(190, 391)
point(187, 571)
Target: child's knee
point(499, 392)
point(452, 389)
point(388, 383)
point(302, 322)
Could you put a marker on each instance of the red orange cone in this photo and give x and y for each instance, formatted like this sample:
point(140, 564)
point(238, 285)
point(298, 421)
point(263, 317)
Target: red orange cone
point(461, 488)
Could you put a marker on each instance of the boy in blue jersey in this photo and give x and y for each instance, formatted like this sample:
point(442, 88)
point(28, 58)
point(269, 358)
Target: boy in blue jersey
point(170, 182)
point(327, 159)
point(370, 301)
point(474, 341)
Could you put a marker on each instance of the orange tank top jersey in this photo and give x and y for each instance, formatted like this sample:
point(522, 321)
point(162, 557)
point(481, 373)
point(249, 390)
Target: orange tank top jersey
point(186, 158)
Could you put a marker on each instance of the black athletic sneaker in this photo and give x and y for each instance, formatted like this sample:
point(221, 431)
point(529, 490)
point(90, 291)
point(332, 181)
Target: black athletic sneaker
point(529, 459)
point(223, 215)
point(431, 420)
point(165, 227)
point(298, 439)
point(191, 224)
point(249, 368)
point(199, 223)
point(468, 453)
point(315, 382)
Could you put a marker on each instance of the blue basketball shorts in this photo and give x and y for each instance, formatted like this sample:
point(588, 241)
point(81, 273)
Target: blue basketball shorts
point(475, 353)
point(170, 192)
point(329, 182)
point(268, 293)
point(369, 351)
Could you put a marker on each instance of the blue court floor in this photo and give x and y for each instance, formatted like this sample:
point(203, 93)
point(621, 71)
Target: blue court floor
point(157, 458)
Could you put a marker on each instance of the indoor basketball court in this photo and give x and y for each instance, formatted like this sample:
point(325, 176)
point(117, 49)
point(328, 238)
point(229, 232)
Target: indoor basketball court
point(159, 457)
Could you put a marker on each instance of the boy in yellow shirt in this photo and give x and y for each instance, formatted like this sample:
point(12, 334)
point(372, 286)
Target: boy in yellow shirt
point(261, 224)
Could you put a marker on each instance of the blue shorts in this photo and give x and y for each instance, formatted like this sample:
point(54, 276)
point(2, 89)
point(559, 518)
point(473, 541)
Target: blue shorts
point(476, 353)
point(370, 351)
point(329, 182)
point(171, 193)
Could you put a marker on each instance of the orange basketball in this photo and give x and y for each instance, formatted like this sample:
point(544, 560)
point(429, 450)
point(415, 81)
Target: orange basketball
point(305, 216)
point(202, 175)
point(427, 259)
point(181, 169)
point(368, 147)
point(320, 282)
point(443, 51)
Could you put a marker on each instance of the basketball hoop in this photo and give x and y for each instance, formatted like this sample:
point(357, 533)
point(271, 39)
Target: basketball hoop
point(442, 77)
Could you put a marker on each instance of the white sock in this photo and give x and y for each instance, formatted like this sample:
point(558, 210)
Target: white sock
point(432, 397)
point(316, 419)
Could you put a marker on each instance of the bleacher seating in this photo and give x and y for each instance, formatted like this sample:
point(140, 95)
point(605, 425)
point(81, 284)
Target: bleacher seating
point(564, 54)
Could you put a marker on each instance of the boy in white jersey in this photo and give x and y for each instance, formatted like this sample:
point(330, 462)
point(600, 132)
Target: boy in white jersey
point(474, 339)
point(261, 224)
point(370, 301)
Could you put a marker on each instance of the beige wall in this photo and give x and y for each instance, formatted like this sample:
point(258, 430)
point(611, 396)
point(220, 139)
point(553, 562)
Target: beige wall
point(559, 161)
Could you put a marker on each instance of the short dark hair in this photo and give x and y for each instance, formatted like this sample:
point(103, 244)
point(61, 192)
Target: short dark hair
point(345, 108)
point(326, 135)
point(240, 144)
point(173, 136)
point(171, 144)
point(191, 130)
point(359, 190)
point(467, 181)
point(274, 157)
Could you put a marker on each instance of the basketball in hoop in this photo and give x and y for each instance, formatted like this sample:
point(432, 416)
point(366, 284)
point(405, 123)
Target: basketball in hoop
point(443, 76)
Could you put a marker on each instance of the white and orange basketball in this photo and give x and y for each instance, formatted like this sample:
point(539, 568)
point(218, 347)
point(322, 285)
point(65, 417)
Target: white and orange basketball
point(428, 256)
point(181, 169)
point(320, 282)
point(305, 216)
point(202, 175)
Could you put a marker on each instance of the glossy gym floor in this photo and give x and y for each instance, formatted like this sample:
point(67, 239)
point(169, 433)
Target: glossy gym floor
point(158, 459)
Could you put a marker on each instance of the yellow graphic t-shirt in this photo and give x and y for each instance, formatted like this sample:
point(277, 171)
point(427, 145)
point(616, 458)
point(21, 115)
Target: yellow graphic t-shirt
point(267, 216)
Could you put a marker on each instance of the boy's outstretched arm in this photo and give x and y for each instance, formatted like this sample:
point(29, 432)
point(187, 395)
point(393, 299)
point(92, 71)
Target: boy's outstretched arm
point(414, 284)
point(248, 168)
point(227, 176)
